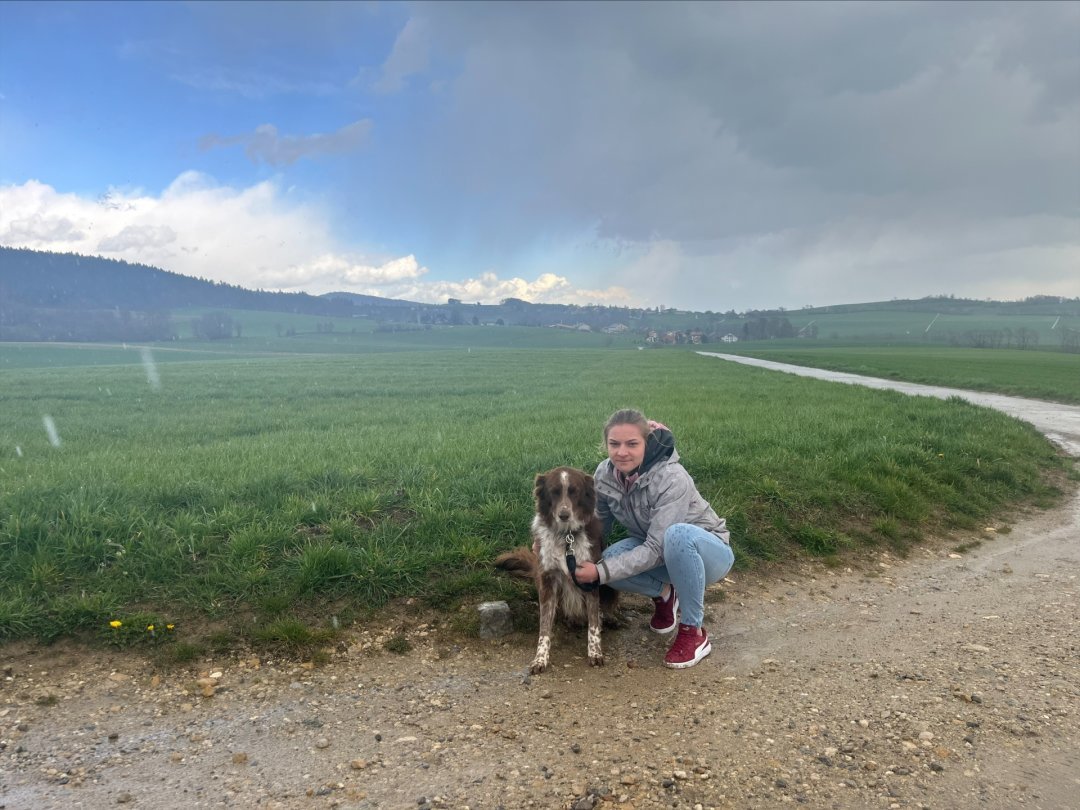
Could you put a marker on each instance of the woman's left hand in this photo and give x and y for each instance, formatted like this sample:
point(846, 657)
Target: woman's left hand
point(586, 572)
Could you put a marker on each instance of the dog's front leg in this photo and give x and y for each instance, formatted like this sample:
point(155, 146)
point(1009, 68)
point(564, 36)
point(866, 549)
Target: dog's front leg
point(548, 604)
point(592, 607)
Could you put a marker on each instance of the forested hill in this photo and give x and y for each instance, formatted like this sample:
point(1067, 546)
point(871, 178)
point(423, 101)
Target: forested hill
point(34, 280)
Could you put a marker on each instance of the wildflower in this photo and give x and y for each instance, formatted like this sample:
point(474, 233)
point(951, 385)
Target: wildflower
point(149, 628)
point(170, 627)
point(115, 625)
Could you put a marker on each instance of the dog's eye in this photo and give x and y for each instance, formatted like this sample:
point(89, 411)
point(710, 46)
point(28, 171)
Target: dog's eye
point(572, 490)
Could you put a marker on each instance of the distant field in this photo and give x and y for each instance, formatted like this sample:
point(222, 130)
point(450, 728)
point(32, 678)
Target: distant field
point(922, 327)
point(1053, 376)
point(461, 338)
point(256, 324)
point(247, 490)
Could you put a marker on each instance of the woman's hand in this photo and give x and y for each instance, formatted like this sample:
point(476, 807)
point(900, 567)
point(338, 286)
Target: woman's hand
point(586, 572)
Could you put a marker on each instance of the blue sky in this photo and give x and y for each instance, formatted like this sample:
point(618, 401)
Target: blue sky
point(703, 155)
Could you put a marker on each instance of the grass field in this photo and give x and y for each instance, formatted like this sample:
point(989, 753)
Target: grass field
point(463, 338)
point(1053, 376)
point(242, 490)
point(898, 326)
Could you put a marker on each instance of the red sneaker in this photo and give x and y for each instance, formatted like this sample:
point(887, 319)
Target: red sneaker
point(663, 618)
point(688, 649)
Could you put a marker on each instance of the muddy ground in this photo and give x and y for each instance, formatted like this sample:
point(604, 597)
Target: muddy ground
point(947, 680)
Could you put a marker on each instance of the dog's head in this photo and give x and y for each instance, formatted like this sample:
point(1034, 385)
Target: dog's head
point(565, 498)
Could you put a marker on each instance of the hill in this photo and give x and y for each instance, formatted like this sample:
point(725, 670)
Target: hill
point(65, 296)
point(68, 297)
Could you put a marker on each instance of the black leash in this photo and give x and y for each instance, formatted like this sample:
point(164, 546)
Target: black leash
point(571, 565)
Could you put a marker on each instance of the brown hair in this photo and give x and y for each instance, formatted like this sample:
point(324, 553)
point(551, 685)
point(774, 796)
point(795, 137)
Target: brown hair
point(628, 416)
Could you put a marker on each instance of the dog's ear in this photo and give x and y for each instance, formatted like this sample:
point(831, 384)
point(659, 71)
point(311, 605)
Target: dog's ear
point(588, 496)
point(540, 489)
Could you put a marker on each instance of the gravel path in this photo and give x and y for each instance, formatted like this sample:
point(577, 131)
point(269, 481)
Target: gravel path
point(947, 680)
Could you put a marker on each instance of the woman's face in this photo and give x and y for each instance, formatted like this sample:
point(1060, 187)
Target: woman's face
point(625, 447)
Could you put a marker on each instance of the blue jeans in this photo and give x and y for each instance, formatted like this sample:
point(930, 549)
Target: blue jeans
point(693, 558)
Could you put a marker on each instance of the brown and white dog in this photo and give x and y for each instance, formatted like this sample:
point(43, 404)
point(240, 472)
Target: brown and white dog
point(565, 531)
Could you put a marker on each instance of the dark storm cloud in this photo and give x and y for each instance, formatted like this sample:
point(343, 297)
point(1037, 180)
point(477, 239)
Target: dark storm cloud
point(701, 121)
point(802, 124)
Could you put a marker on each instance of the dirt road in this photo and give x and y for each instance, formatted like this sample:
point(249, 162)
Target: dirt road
point(948, 680)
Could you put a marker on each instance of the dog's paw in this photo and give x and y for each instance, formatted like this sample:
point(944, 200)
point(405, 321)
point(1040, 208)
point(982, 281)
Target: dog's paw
point(596, 661)
point(538, 667)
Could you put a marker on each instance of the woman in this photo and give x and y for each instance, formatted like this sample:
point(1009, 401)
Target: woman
point(676, 545)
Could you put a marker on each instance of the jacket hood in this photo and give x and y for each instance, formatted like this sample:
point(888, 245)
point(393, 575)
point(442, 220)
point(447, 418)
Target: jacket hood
point(658, 447)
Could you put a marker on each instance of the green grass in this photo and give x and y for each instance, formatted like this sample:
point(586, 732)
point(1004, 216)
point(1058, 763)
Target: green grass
point(1053, 376)
point(899, 326)
point(255, 492)
point(465, 339)
point(259, 324)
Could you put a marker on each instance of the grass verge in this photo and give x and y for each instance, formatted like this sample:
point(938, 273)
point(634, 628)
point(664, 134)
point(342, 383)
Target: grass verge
point(1049, 375)
point(253, 495)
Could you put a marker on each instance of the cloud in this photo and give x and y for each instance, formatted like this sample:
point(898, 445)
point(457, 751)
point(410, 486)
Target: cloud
point(344, 271)
point(266, 146)
point(248, 84)
point(727, 149)
point(255, 237)
point(547, 288)
point(138, 237)
point(408, 57)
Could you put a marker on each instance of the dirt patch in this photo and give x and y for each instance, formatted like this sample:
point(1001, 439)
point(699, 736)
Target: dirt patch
point(944, 680)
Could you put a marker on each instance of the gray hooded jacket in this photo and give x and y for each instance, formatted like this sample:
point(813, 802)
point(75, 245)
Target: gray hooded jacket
point(664, 494)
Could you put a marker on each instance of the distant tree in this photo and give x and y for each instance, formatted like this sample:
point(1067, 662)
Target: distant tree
point(984, 338)
point(213, 326)
point(1026, 337)
point(1070, 340)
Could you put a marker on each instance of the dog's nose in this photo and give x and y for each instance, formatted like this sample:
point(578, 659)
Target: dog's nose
point(564, 514)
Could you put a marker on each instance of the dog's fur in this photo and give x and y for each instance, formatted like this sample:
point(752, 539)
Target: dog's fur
point(565, 500)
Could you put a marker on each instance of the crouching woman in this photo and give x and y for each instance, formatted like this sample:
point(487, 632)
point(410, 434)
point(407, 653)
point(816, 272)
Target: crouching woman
point(676, 543)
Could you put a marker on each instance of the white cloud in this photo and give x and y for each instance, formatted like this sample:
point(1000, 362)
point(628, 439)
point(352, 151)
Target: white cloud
point(138, 237)
point(248, 236)
point(547, 288)
point(255, 237)
point(341, 270)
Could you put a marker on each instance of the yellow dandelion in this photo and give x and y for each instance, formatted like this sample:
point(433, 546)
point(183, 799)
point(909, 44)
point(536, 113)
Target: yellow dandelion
point(149, 628)
point(170, 627)
point(115, 625)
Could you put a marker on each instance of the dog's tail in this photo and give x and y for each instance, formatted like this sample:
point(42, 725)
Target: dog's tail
point(521, 562)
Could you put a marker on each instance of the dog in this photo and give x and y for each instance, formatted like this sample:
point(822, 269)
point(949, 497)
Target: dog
point(566, 532)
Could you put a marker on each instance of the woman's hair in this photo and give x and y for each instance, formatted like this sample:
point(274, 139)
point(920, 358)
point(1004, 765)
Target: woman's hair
point(628, 416)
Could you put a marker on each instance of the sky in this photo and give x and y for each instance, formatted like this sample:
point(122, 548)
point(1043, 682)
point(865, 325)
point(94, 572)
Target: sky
point(706, 156)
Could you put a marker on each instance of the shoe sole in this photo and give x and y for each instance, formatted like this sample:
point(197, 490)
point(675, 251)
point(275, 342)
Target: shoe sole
point(674, 620)
point(699, 654)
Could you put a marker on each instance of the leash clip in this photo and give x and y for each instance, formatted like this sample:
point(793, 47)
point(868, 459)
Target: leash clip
point(571, 564)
